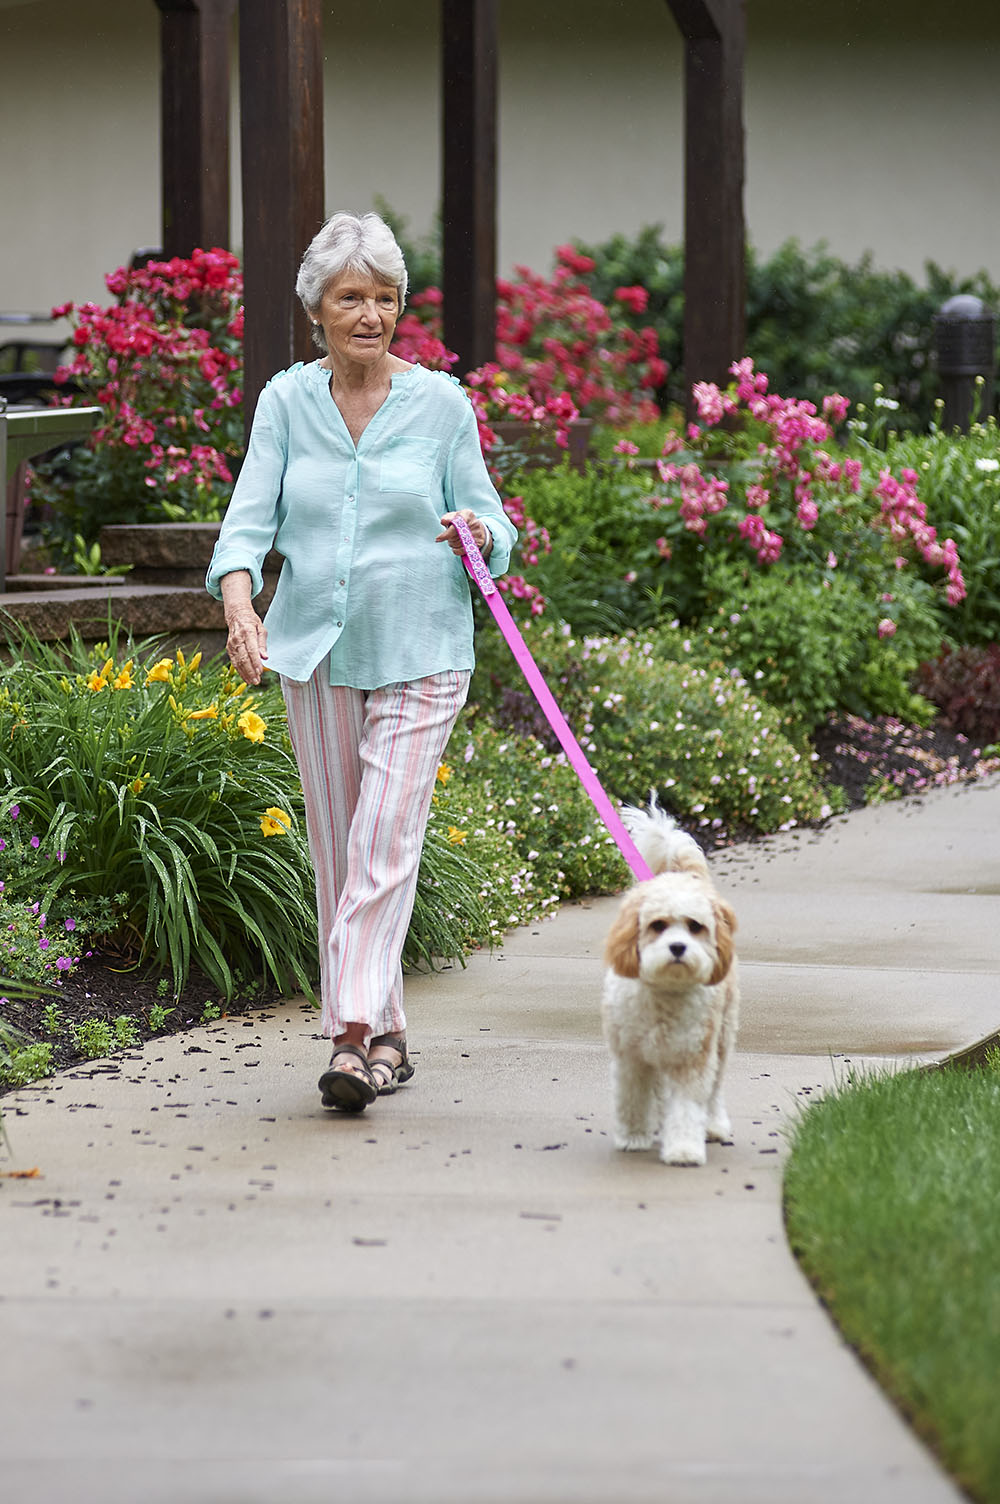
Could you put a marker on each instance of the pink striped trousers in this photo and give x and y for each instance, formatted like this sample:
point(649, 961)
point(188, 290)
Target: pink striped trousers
point(368, 761)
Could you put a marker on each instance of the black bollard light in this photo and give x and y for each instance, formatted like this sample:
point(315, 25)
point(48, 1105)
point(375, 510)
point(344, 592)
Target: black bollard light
point(965, 346)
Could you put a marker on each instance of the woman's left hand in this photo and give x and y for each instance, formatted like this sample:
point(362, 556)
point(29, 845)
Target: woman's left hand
point(480, 532)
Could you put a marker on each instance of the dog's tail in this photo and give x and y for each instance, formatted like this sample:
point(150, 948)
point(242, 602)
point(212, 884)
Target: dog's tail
point(661, 844)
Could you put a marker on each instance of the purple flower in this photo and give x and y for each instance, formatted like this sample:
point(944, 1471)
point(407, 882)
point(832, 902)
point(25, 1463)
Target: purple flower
point(35, 842)
point(63, 963)
point(3, 845)
point(71, 924)
point(43, 943)
point(14, 811)
point(41, 920)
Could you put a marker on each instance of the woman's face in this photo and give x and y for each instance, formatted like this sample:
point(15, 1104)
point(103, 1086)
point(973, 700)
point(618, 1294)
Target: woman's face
point(358, 317)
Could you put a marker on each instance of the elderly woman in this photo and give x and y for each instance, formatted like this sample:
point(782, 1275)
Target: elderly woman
point(357, 464)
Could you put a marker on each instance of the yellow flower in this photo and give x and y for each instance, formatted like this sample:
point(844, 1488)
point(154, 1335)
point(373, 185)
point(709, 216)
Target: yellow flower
point(138, 784)
point(123, 679)
point(443, 773)
point(275, 822)
point(160, 672)
point(96, 682)
point(456, 837)
point(209, 714)
point(252, 726)
point(192, 666)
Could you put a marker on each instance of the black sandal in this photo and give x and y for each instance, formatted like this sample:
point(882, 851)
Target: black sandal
point(351, 1091)
point(395, 1075)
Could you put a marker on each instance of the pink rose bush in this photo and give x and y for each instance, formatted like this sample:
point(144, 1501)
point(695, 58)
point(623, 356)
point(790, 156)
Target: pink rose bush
point(164, 361)
point(767, 471)
point(553, 339)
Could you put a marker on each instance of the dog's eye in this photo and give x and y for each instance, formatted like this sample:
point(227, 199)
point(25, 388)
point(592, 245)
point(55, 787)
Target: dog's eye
point(658, 926)
point(696, 927)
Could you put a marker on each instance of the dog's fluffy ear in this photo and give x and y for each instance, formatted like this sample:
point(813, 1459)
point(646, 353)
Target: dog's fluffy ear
point(725, 924)
point(621, 950)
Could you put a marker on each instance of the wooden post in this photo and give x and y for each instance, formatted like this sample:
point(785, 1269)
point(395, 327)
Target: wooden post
point(714, 34)
point(195, 37)
point(469, 108)
point(281, 99)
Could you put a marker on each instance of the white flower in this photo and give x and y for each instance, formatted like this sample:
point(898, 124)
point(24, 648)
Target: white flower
point(987, 464)
point(888, 402)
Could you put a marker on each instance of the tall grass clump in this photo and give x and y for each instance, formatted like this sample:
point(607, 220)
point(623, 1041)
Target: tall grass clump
point(892, 1209)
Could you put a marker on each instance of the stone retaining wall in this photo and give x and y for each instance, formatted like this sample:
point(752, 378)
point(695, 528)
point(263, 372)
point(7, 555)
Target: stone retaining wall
point(162, 595)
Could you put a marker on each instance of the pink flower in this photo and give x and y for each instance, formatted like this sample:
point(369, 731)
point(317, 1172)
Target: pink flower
point(886, 627)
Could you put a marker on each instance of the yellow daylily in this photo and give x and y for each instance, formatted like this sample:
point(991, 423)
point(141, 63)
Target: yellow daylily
point(456, 837)
point(160, 672)
point(123, 679)
point(210, 713)
point(96, 682)
point(443, 773)
point(252, 726)
point(275, 822)
point(138, 784)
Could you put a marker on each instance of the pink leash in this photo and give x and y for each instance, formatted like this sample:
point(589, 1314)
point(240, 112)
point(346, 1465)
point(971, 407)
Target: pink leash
point(476, 565)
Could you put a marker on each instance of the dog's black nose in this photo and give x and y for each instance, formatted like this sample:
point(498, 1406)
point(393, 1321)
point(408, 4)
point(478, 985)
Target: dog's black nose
point(678, 948)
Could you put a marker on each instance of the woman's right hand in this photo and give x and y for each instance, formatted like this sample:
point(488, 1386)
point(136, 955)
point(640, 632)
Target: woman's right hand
point(247, 640)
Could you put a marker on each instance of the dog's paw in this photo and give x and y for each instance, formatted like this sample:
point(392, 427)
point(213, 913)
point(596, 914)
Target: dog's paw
point(719, 1130)
point(678, 1152)
point(631, 1142)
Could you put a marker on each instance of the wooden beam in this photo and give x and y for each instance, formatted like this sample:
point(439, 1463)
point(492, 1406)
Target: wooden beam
point(281, 97)
point(469, 109)
point(195, 39)
point(714, 34)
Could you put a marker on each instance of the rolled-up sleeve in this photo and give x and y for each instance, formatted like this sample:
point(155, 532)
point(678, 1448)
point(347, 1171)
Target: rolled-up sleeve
point(467, 484)
point(251, 520)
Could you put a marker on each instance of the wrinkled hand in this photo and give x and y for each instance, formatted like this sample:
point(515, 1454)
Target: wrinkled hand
point(247, 643)
point(480, 532)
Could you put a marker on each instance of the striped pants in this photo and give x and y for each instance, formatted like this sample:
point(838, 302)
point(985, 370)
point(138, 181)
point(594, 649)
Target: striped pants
point(368, 761)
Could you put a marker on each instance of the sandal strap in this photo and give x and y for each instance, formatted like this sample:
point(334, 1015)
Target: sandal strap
point(354, 1049)
point(390, 1042)
point(349, 1049)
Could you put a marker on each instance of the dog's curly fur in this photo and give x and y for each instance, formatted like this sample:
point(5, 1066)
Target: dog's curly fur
point(671, 998)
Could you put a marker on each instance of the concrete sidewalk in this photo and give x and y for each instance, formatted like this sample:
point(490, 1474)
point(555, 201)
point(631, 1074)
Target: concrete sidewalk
point(219, 1294)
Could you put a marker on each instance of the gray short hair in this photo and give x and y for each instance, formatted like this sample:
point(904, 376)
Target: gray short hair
point(349, 242)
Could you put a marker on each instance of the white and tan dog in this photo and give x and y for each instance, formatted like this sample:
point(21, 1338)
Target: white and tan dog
point(671, 997)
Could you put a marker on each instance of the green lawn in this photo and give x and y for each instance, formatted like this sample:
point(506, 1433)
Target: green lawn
point(892, 1206)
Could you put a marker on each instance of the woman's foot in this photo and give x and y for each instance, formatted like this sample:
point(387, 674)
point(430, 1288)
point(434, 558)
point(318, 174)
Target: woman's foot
point(389, 1062)
point(348, 1082)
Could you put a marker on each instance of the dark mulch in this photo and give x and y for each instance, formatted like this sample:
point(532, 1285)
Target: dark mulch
point(881, 759)
point(105, 990)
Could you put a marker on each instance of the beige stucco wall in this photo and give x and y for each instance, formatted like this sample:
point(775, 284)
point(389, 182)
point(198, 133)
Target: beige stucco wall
point(875, 127)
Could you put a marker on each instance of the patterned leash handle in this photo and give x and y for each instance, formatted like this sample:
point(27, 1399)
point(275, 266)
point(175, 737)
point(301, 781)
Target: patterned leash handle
point(476, 565)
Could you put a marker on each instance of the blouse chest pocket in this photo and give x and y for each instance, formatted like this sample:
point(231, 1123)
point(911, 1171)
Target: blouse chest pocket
point(408, 465)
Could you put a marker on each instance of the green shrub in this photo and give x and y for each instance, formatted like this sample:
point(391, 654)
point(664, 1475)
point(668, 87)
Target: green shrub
point(650, 713)
point(598, 566)
point(809, 644)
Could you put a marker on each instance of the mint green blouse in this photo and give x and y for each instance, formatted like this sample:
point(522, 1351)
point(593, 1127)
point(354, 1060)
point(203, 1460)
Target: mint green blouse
point(363, 580)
